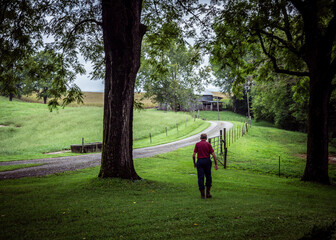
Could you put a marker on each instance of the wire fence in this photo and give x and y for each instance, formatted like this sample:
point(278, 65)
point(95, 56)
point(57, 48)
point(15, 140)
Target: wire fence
point(226, 138)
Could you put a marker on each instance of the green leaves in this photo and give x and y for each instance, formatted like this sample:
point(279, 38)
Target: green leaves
point(171, 75)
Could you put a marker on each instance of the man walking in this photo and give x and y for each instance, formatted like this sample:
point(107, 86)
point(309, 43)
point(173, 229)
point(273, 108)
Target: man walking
point(203, 165)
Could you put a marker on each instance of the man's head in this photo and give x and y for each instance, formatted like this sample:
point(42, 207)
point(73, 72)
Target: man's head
point(204, 136)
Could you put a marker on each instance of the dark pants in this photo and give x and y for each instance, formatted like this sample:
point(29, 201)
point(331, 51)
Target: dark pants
point(204, 168)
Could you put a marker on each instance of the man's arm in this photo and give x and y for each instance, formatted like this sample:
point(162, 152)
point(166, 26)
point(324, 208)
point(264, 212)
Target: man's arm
point(194, 159)
point(215, 159)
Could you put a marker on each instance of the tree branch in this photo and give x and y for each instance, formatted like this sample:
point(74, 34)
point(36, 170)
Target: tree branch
point(329, 37)
point(191, 12)
point(274, 62)
point(284, 42)
point(298, 4)
point(74, 30)
point(287, 24)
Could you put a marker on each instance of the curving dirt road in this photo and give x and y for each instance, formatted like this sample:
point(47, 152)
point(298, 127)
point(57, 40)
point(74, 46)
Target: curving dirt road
point(62, 164)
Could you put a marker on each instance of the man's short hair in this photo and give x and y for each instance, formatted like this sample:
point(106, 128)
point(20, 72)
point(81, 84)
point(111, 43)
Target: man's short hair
point(204, 136)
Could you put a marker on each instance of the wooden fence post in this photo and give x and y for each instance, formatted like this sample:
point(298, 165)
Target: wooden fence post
point(225, 148)
point(150, 137)
point(221, 141)
point(166, 132)
point(82, 145)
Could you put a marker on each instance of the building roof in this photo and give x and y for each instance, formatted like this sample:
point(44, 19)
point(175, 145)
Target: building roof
point(206, 93)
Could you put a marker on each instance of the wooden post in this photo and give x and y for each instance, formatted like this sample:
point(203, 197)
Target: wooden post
point(82, 145)
point(221, 141)
point(225, 148)
point(246, 126)
point(229, 137)
point(166, 132)
point(150, 137)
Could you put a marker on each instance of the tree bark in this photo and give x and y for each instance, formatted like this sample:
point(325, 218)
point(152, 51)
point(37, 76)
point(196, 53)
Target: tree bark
point(11, 95)
point(317, 144)
point(318, 58)
point(122, 32)
point(45, 99)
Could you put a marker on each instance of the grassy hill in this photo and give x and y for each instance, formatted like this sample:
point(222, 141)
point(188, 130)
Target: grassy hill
point(31, 130)
point(95, 99)
point(250, 201)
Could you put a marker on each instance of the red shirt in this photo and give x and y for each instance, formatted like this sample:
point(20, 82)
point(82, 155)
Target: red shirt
point(203, 149)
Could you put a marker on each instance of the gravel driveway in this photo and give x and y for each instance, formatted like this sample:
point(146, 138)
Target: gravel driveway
point(62, 164)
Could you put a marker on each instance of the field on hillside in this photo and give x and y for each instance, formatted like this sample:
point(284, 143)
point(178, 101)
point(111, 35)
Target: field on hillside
point(246, 204)
point(95, 99)
point(31, 130)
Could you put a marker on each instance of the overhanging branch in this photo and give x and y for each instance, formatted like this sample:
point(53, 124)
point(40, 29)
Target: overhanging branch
point(331, 32)
point(74, 30)
point(284, 42)
point(274, 62)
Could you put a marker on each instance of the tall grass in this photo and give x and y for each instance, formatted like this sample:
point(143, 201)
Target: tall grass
point(32, 130)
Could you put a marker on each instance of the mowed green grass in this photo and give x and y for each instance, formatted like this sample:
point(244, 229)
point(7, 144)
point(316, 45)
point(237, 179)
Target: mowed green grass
point(165, 204)
point(249, 200)
point(259, 150)
point(32, 130)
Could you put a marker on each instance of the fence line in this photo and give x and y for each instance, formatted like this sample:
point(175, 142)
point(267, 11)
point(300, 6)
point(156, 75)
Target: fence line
point(225, 139)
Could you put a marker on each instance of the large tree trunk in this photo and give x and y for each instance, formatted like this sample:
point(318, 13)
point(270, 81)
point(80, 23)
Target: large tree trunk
point(317, 55)
point(317, 145)
point(123, 34)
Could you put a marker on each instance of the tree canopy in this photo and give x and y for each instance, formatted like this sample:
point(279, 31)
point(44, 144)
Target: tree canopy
point(247, 38)
point(263, 38)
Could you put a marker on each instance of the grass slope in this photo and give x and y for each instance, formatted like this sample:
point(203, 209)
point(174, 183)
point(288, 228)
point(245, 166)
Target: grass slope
point(32, 130)
point(166, 204)
point(95, 99)
point(250, 201)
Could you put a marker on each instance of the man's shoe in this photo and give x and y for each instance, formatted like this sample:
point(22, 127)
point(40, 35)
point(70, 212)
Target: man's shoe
point(208, 195)
point(202, 194)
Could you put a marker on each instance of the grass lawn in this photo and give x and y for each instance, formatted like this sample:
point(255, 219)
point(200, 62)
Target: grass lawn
point(249, 200)
point(165, 205)
point(32, 130)
point(18, 166)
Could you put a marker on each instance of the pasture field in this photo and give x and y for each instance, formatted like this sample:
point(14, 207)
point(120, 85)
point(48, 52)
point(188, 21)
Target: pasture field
point(32, 130)
point(94, 99)
point(247, 203)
